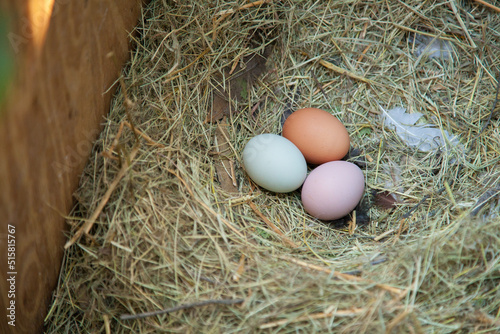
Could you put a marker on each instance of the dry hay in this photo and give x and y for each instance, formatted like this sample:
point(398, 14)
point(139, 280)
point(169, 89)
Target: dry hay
point(172, 232)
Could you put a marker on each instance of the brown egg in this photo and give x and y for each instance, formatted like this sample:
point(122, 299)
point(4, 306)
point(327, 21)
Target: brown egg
point(319, 135)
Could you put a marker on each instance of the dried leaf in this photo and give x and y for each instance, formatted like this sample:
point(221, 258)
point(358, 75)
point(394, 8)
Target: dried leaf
point(224, 165)
point(234, 84)
point(385, 199)
point(220, 108)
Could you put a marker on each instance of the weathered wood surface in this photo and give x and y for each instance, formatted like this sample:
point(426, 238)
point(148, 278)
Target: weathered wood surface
point(52, 114)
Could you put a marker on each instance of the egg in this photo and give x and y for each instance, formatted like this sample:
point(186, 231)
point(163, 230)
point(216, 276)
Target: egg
point(274, 163)
point(319, 135)
point(332, 190)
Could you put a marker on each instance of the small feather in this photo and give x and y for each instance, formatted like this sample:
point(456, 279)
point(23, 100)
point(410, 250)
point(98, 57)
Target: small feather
point(430, 46)
point(424, 137)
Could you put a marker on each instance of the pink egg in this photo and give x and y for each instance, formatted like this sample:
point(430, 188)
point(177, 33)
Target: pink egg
point(333, 189)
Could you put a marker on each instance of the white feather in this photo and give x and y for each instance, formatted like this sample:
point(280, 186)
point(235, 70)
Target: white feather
point(424, 137)
point(431, 47)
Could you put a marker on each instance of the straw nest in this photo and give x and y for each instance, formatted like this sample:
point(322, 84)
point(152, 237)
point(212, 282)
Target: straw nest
point(175, 224)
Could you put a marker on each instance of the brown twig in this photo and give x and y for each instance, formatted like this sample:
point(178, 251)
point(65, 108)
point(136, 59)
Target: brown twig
point(181, 307)
point(383, 235)
point(85, 228)
point(394, 322)
point(171, 75)
point(148, 139)
point(342, 71)
point(350, 74)
point(318, 84)
point(461, 22)
point(246, 6)
point(128, 105)
point(240, 270)
point(352, 223)
point(489, 5)
point(109, 152)
point(360, 58)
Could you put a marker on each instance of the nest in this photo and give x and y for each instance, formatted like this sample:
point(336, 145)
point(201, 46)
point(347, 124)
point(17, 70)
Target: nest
point(168, 233)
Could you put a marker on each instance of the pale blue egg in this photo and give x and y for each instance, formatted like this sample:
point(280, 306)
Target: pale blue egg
point(274, 163)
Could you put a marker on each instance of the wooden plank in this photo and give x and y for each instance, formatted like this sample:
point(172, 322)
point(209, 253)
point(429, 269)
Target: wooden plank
point(52, 114)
